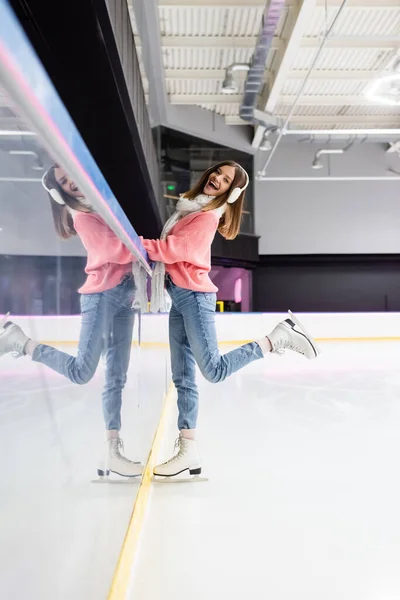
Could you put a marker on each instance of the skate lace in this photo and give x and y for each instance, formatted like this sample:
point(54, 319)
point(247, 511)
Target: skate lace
point(181, 451)
point(15, 352)
point(120, 451)
point(284, 344)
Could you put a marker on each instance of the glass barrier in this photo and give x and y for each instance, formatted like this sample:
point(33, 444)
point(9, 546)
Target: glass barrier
point(63, 525)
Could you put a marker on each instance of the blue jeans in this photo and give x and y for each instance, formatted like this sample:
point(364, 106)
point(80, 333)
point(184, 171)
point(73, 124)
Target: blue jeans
point(106, 328)
point(193, 339)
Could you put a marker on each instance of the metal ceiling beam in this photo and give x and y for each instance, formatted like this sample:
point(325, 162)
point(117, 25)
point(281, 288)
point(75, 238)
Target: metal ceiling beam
point(205, 99)
point(357, 121)
point(289, 3)
point(325, 100)
point(213, 41)
point(147, 22)
point(358, 41)
point(311, 100)
point(299, 19)
point(353, 41)
point(219, 74)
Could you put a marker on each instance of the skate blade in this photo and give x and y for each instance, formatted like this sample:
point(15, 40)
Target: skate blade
point(304, 330)
point(175, 479)
point(126, 480)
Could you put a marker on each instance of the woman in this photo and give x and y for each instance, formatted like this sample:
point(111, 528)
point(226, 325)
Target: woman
point(184, 253)
point(107, 315)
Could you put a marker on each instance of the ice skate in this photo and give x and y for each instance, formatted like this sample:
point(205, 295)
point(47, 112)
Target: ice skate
point(12, 338)
point(291, 335)
point(114, 462)
point(186, 459)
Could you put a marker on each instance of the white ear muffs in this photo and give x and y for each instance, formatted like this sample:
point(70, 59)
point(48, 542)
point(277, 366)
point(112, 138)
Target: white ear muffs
point(55, 194)
point(235, 193)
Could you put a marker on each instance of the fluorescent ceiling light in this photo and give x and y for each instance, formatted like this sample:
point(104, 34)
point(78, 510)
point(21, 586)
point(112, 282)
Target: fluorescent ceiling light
point(378, 93)
point(317, 164)
point(9, 133)
point(229, 85)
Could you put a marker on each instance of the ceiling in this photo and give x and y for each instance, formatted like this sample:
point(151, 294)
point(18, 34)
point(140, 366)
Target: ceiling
point(201, 38)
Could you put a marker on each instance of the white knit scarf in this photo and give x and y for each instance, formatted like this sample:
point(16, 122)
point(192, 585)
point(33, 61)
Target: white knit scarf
point(183, 207)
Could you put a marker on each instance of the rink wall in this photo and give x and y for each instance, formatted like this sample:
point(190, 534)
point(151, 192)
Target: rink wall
point(232, 327)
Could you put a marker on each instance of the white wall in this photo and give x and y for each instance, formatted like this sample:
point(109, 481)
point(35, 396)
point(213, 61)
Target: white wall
point(231, 327)
point(316, 217)
point(25, 216)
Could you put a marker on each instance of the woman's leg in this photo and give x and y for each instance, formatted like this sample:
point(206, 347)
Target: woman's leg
point(198, 311)
point(97, 316)
point(183, 366)
point(117, 354)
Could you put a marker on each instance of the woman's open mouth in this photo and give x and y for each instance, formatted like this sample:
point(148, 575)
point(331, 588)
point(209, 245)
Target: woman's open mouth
point(213, 185)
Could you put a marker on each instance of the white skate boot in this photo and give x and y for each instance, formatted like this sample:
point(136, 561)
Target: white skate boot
point(12, 339)
point(114, 462)
point(291, 335)
point(186, 459)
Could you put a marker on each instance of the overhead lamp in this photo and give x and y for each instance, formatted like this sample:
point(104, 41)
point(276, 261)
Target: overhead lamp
point(386, 89)
point(265, 145)
point(317, 164)
point(229, 85)
point(18, 132)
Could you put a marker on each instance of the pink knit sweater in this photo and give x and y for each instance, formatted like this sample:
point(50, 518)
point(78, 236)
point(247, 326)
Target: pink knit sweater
point(187, 251)
point(108, 260)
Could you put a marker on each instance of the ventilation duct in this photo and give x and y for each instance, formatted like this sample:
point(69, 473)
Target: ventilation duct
point(255, 76)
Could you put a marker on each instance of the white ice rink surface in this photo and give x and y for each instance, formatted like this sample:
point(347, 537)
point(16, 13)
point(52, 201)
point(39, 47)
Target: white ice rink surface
point(60, 534)
point(303, 498)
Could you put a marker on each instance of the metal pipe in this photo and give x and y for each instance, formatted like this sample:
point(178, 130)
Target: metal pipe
point(343, 132)
point(329, 151)
point(327, 178)
point(278, 139)
point(255, 76)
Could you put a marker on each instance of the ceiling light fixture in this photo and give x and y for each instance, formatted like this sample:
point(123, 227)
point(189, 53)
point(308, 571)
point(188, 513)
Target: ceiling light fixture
point(265, 145)
point(317, 164)
point(229, 85)
point(386, 89)
point(9, 133)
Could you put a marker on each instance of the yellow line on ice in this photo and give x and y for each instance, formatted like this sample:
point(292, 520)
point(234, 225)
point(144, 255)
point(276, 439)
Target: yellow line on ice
point(127, 556)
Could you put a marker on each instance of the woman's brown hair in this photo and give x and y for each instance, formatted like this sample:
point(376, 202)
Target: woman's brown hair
point(63, 221)
point(229, 223)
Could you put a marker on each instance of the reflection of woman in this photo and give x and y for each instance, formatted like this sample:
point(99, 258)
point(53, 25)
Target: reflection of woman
point(107, 314)
point(216, 202)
